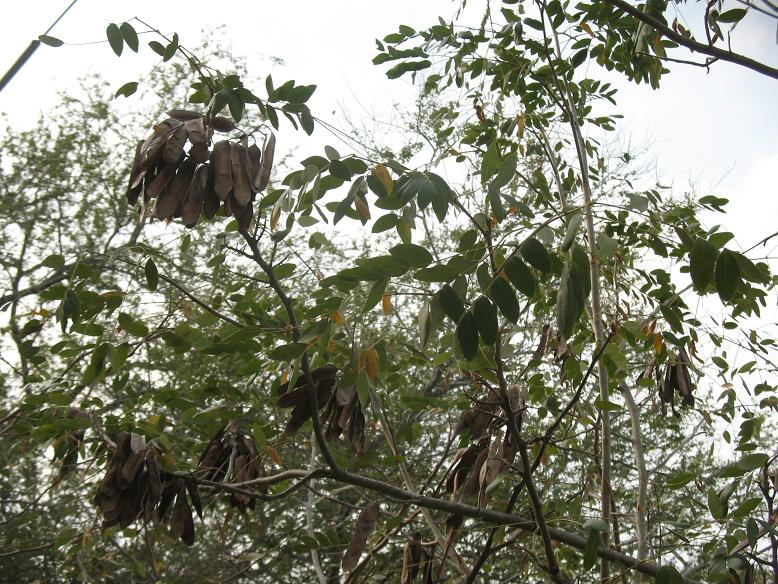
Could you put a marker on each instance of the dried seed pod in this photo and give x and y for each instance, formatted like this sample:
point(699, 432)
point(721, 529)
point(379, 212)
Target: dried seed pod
point(222, 124)
point(255, 158)
point(172, 199)
point(453, 523)
point(136, 176)
point(199, 153)
point(151, 151)
point(240, 179)
point(244, 216)
point(184, 115)
point(165, 174)
point(263, 176)
point(411, 558)
point(197, 132)
point(211, 202)
point(190, 212)
point(222, 169)
point(174, 147)
point(365, 526)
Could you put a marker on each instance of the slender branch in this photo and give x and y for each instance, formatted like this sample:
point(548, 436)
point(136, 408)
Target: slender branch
point(309, 502)
point(306, 366)
point(691, 44)
point(641, 528)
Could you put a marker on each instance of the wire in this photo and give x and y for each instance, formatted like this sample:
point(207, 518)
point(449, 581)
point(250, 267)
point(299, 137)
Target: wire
point(28, 52)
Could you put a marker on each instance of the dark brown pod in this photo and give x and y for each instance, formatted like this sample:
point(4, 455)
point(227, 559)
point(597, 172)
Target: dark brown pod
point(365, 526)
point(184, 115)
point(254, 155)
point(241, 187)
point(222, 169)
point(200, 153)
point(222, 124)
point(136, 176)
point(165, 174)
point(263, 176)
point(244, 216)
point(172, 199)
point(174, 147)
point(194, 197)
point(211, 202)
point(197, 132)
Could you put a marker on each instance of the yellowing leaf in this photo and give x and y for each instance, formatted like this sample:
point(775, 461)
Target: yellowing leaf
point(369, 361)
point(387, 304)
point(337, 317)
point(273, 453)
point(658, 343)
point(383, 176)
point(520, 129)
point(585, 27)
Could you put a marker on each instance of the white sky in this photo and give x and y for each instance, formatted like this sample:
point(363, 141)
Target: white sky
point(715, 131)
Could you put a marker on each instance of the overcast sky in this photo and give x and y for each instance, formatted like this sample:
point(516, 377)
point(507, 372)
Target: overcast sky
point(717, 131)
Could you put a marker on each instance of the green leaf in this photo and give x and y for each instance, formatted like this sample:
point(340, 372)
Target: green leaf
point(54, 261)
point(171, 49)
point(486, 319)
point(702, 261)
point(506, 172)
point(668, 575)
point(385, 222)
point(287, 352)
point(152, 274)
point(727, 275)
point(715, 506)
point(467, 335)
point(412, 255)
point(127, 89)
point(115, 39)
point(406, 67)
point(438, 273)
point(505, 299)
point(130, 36)
point(679, 480)
point(733, 15)
point(131, 326)
point(339, 170)
point(520, 276)
point(590, 551)
point(746, 507)
point(451, 302)
point(752, 461)
point(752, 531)
point(570, 298)
point(157, 47)
point(376, 294)
point(50, 40)
point(536, 255)
point(363, 388)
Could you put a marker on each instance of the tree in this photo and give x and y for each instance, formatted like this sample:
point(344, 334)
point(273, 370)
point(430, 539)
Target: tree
point(505, 397)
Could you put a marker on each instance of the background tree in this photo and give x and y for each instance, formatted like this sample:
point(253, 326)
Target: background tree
point(513, 390)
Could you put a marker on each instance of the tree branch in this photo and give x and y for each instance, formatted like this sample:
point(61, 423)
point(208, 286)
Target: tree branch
point(691, 44)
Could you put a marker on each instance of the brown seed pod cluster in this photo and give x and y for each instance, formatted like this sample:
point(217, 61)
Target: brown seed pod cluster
point(135, 486)
point(187, 181)
point(232, 456)
point(340, 404)
point(675, 378)
point(477, 466)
